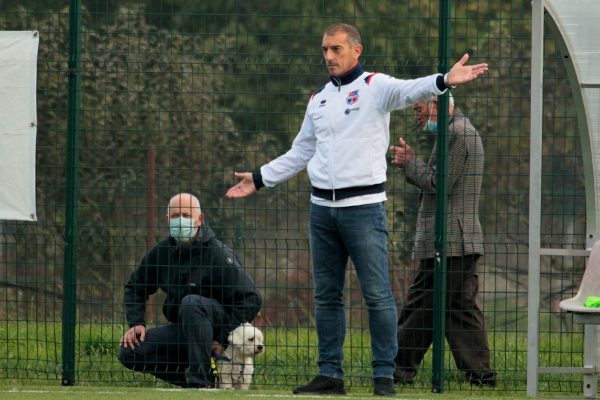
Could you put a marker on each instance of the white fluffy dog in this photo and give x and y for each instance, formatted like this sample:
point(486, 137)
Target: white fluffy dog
point(236, 365)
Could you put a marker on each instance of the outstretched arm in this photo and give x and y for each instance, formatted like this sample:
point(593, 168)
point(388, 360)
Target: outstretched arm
point(460, 73)
point(245, 187)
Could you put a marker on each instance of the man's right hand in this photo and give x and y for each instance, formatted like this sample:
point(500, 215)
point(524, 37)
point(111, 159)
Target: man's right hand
point(245, 186)
point(134, 337)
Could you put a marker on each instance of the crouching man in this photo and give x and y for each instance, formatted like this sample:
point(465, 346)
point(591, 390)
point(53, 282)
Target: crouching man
point(208, 295)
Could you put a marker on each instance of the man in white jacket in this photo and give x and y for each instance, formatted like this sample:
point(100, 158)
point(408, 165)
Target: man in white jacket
point(343, 143)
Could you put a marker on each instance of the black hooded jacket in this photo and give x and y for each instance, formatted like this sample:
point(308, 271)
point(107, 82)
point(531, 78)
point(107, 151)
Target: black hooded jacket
point(208, 268)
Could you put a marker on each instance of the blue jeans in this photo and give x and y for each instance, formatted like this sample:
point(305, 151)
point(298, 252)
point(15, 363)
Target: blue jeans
point(358, 232)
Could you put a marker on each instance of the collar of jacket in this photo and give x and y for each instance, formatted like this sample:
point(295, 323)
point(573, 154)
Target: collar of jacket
point(347, 78)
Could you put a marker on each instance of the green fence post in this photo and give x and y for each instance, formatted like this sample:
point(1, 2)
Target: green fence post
point(439, 285)
point(72, 189)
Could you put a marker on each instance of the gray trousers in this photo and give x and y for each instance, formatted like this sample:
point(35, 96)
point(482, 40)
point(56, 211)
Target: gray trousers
point(171, 349)
point(465, 330)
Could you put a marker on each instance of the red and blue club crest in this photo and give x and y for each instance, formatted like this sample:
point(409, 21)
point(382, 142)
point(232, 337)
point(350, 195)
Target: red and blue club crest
point(352, 97)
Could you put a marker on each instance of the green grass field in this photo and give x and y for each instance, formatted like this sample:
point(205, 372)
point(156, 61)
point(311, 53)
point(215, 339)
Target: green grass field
point(103, 393)
point(30, 366)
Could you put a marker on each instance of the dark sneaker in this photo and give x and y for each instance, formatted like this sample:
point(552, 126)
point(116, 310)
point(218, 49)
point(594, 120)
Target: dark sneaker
point(198, 386)
point(403, 376)
point(322, 385)
point(487, 380)
point(383, 387)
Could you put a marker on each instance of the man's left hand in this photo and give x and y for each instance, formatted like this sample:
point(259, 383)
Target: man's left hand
point(460, 73)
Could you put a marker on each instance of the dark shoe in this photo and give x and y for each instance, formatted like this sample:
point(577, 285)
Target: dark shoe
point(488, 380)
point(403, 376)
point(322, 385)
point(383, 387)
point(198, 386)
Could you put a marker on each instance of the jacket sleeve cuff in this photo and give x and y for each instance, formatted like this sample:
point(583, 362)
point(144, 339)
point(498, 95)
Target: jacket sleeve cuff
point(257, 178)
point(439, 82)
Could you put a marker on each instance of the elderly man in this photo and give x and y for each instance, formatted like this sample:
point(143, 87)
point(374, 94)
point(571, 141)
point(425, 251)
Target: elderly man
point(465, 325)
point(343, 142)
point(208, 295)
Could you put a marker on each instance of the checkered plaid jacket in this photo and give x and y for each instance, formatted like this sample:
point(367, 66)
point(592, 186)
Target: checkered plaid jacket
point(465, 172)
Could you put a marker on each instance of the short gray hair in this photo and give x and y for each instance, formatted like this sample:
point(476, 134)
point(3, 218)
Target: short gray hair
point(351, 31)
point(450, 99)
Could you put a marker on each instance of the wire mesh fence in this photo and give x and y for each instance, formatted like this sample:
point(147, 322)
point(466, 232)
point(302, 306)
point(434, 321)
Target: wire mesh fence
point(176, 95)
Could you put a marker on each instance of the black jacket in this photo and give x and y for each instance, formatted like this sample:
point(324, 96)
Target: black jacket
point(207, 267)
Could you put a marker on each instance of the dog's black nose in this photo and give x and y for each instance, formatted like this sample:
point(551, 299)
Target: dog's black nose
point(260, 347)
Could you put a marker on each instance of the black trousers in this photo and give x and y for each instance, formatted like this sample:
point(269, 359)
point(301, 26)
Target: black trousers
point(171, 349)
point(465, 330)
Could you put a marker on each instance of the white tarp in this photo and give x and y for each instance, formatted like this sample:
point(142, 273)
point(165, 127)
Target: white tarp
point(18, 123)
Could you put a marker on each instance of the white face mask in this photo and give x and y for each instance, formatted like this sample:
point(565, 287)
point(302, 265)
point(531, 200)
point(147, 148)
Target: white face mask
point(182, 229)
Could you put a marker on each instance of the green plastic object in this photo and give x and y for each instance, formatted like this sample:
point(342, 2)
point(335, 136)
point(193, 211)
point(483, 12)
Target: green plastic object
point(592, 302)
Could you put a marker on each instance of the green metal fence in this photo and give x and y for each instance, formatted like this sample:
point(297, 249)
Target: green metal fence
point(168, 96)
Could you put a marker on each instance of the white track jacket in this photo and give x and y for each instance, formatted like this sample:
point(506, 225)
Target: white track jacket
point(345, 134)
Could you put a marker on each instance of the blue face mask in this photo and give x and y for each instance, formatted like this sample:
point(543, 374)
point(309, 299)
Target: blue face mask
point(430, 126)
point(182, 229)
